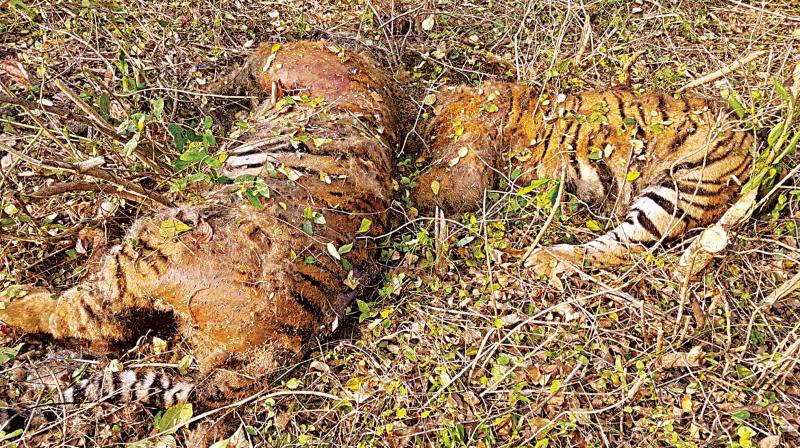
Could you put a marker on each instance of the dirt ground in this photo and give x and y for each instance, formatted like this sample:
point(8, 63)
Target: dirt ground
point(459, 349)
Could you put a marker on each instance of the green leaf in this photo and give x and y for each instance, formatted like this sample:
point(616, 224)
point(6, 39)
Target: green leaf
point(9, 354)
point(184, 364)
point(224, 443)
point(178, 136)
point(781, 89)
point(736, 105)
point(774, 133)
point(632, 176)
point(171, 227)
point(629, 122)
point(345, 248)
point(366, 224)
point(741, 415)
point(11, 435)
point(555, 386)
point(410, 354)
point(464, 241)
point(175, 415)
point(157, 106)
point(594, 225)
point(491, 108)
point(293, 383)
point(194, 155)
point(130, 145)
point(252, 198)
point(363, 306)
point(308, 228)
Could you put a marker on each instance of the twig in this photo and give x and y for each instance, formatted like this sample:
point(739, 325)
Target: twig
point(723, 71)
point(782, 291)
point(714, 239)
point(550, 217)
point(68, 114)
point(103, 125)
point(626, 69)
point(71, 187)
point(440, 241)
point(94, 116)
point(94, 172)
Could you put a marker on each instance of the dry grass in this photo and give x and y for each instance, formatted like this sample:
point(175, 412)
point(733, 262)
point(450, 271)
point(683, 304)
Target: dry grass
point(475, 353)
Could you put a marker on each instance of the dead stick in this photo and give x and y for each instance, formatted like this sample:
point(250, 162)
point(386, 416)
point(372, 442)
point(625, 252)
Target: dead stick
point(782, 291)
point(93, 172)
point(68, 114)
point(723, 71)
point(626, 70)
point(78, 186)
point(88, 110)
point(550, 217)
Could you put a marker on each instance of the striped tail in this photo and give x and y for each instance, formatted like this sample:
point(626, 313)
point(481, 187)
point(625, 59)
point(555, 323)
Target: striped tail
point(149, 388)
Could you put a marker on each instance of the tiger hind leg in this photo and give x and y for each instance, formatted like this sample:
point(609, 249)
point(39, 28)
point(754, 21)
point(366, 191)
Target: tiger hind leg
point(652, 218)
point(77, 314)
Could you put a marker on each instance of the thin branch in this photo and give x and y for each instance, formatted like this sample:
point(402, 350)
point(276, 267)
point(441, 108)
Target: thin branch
point(713, 76)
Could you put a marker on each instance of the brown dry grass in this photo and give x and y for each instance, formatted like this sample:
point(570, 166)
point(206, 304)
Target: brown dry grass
point(477, 355)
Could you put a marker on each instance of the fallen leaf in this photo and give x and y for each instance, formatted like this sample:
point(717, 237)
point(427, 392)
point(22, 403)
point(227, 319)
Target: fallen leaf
point(169, 228)
point(428, 23)
point(435, 187)
point(632, 176)
point(16, 72)
point(770, 442)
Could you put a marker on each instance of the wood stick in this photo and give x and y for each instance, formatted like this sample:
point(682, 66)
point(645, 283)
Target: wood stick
point(93, 172)
point(77, 186)
point(88, 110)
point(788, 287)
point(713, 76)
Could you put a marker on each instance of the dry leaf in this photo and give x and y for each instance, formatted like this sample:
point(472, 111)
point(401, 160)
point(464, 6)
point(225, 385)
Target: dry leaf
point(119, 110)
point(332, 251)
point(770, 442)
point(16, 72)
point(435, 187)
point(428, 23)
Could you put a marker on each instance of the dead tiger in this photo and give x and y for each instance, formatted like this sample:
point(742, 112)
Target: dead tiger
point(253, 283)
point(661, 165)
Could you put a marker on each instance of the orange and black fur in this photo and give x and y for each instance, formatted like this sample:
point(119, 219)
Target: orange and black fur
point(254, 287)
point(662, 165)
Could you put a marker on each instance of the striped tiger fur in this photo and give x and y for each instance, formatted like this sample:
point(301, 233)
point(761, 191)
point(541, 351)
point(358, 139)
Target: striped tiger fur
point(252, 284)
point(149, 388)
point(252, 288)
point(661, 165)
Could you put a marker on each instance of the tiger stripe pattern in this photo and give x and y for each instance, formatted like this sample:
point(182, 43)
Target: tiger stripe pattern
point(148, 388)
point(265, 267)
point(660, 165)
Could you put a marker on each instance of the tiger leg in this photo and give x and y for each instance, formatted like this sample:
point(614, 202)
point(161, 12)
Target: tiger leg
point(78, 313)
point(685, 194)
point(456, 182)
point(650, 219)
